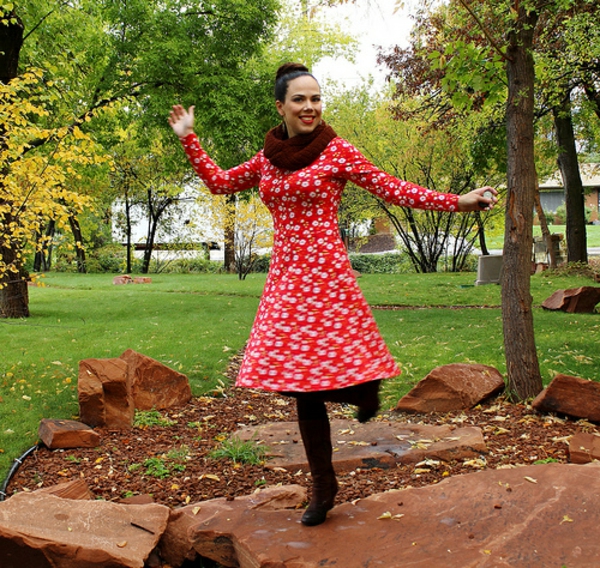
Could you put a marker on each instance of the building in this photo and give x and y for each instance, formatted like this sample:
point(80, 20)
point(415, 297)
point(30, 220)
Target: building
point(552, 192)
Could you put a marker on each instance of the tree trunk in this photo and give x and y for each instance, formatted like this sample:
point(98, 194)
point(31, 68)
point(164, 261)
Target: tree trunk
point(569, 171)
point(43, 257)
point(544, 227)
point(14, 296)
point(79, 249)
point(524, 378)
point(229, 237)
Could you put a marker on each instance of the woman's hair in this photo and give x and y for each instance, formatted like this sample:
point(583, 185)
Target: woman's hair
point(286, 73)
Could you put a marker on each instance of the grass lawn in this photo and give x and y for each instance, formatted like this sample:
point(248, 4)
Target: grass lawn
point(496, 242)
point(194, 323)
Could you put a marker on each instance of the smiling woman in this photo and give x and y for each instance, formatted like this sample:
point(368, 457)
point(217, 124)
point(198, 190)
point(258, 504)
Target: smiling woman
point(314, 336)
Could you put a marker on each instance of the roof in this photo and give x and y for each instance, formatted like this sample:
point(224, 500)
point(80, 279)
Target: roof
point(590, 177)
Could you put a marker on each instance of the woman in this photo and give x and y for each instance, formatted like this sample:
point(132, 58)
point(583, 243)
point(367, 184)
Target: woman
point(314, 337)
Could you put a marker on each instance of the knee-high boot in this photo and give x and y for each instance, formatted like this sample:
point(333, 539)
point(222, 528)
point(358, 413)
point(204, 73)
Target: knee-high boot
point(316, 435)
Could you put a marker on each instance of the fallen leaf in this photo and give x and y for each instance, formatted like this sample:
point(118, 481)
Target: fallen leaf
point(122, 544)
point(386, 515)
point(566, 519)
point(209, 476)
point(530, 479)
point(196, 510)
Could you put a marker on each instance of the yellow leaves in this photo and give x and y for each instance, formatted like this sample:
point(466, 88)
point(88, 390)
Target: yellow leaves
point(566, 519)
point(388, 516)
point(210, 476)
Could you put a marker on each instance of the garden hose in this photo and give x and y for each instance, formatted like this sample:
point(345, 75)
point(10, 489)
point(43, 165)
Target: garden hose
point(15, 466)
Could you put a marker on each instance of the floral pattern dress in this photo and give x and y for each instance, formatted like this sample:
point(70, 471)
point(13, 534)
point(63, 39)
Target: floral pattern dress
point(313, 330)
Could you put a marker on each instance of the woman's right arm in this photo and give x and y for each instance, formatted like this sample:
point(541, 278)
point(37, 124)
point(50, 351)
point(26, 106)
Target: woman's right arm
point(218, 181)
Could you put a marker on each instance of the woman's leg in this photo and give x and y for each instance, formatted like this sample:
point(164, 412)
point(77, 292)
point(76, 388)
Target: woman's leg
point(316, 436)
point(365, 396)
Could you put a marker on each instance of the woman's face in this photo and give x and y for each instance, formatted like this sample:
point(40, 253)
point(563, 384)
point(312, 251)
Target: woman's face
point(301, 110)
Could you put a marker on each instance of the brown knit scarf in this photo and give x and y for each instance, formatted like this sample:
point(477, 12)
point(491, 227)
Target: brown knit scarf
point(299, 151)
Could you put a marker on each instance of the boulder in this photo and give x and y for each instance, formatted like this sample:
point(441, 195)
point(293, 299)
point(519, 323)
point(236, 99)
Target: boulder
point(104, 394)
point(67, 434)
point(457, 386)
point(544, 515)
point(176, 546)
point(579, 398)
point(584, 448)
point(142, 280)
point(580, 300)
point(41, 530)
point(154, 385)
point(374, 444)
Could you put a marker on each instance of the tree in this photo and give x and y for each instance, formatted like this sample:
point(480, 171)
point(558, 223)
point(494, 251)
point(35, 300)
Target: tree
point(438, 159)
point(464, 77)
point(94, 54)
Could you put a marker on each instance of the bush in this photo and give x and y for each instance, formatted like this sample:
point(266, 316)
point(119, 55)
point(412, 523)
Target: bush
point(109, 258)
point(262, 263)
point(388, 263)
point(195, 265)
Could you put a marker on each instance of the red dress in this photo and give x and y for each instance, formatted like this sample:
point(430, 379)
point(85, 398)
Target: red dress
point(313, 330)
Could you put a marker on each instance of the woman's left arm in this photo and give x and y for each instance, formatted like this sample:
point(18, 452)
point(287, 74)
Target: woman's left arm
point(356, 168)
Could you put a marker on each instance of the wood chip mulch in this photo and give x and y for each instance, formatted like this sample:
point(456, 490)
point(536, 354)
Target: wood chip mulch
point(172, 462)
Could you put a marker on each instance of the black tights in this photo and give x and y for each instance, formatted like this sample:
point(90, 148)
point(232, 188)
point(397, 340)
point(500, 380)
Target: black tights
point(311, 405)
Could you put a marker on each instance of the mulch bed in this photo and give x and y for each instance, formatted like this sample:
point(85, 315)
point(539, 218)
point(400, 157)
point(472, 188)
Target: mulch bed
point(172, 462)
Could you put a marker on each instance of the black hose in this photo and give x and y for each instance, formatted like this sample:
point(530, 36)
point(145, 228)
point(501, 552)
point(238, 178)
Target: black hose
point(15, 466)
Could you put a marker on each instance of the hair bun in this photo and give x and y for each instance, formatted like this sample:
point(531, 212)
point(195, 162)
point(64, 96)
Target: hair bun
point(288, 68)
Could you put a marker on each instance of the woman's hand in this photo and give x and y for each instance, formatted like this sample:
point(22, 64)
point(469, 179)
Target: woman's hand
point(480, 199)
point(181, 120)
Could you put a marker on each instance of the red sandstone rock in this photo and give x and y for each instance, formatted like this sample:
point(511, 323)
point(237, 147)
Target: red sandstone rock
point(456, 386)
point(38, 530)
point(142, 280)
point(572, 396)
point(375, 444)
point(176, 546)
point(154, 385)
point(67, 434)
point(76, 489)
point(584, 448)
point(581, 300)
point(104, 393)
point(545, 515)
point(123, 279)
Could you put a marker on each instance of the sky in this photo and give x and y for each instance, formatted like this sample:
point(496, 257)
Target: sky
point(374, 23)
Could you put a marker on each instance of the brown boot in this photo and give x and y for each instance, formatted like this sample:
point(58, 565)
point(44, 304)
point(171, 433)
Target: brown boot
point(316, 436)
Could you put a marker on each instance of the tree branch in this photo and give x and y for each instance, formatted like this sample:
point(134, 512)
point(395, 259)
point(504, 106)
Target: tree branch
point(484, 29)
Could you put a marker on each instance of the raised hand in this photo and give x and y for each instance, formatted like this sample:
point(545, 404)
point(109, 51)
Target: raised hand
point(181, 120)
point(480, 199)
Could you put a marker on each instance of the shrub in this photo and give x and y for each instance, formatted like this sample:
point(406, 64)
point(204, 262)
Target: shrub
point(109, 258)
point(262, 263)
point(388, 263)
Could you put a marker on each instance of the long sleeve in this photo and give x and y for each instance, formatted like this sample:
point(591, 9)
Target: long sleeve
point(217, 180)
point(353, 166)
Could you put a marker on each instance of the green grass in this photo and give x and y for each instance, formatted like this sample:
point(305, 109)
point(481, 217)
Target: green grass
point(496, 242)
point(195, 323)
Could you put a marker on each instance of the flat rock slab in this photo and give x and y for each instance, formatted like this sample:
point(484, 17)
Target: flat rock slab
point(545, 515)
point(39, 530)
point(375, 444)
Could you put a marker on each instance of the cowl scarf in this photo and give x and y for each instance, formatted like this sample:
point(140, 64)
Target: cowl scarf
point(298, 151)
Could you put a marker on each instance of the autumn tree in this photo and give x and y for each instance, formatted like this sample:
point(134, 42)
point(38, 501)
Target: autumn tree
point(484, 38)
point(96, 54)
point(439, 159)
